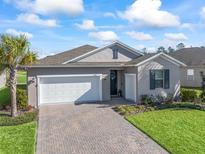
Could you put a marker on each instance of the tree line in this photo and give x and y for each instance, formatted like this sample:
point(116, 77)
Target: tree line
point(169, 49)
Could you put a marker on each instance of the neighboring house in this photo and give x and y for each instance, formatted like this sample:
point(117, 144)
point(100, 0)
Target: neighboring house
point(2, 79)
point(194, 58)
point(88, 73)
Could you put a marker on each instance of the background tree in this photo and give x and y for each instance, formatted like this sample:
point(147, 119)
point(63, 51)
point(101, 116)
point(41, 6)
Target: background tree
point(180, 46)
point(170, 49)
point(161, 49)
point(14, 51)
point(144, 50)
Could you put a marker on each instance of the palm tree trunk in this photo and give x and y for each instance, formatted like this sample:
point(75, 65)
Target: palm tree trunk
point(12, 86)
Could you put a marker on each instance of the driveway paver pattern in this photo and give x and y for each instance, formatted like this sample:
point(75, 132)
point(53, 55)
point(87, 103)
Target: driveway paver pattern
point(89, 129)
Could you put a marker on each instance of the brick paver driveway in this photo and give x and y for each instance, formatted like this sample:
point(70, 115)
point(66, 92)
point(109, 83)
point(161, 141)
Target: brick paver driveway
point(88, 129)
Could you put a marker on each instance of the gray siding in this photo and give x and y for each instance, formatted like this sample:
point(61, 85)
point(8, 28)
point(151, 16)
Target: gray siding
point(106, 55)
point(144, 78)
point(34, 72)
point(197, 80)
point(2, 79)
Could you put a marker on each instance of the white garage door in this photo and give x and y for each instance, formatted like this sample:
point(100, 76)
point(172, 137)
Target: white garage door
point(69, 89)
point(130, 87)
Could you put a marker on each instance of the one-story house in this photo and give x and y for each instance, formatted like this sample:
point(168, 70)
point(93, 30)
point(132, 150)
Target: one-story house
point(2, 78)
point(194, 58)
point(88, 73)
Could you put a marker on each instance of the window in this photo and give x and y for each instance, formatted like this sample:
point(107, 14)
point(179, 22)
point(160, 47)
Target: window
point(190, 74)
point(115, 53)
point(159, 79)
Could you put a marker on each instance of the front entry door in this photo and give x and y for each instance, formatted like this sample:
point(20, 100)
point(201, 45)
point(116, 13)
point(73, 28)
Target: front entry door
point(113, 82)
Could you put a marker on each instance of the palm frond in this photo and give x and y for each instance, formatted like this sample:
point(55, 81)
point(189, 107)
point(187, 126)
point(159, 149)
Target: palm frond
point(14, 50)
point(29, 58)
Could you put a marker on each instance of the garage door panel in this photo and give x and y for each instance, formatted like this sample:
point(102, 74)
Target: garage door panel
point(69, 89)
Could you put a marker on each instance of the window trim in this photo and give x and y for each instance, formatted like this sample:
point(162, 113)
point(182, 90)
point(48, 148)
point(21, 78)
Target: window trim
point(190, 77)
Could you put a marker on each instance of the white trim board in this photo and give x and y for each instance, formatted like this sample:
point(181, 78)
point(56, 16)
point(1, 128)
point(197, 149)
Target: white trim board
point(134, 86)
point(130, 49)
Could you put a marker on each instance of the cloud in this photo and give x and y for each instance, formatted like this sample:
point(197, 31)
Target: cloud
point(203, 12)
point(189, 26)
point(109, 14)
point(105, 36)
point(176, 36)
point(147, 12)
point(140, 36)
point(17, 33)
point(87, 25)
point(36, 20)
point(111, 27)
point(44, 7)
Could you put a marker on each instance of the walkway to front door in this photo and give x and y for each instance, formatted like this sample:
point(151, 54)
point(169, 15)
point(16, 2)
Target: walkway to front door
point(89, 129)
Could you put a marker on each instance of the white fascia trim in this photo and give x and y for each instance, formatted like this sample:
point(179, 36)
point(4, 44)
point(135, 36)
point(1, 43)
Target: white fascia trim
point(132, 50)
point(67, 75)
point(167, 57)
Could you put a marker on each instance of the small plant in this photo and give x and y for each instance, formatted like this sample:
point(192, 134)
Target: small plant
point(156, 100)
point(146, 100)
point(22, 99)
point(126, 110)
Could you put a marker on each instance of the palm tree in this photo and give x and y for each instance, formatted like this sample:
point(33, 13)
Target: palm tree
point(14, 52)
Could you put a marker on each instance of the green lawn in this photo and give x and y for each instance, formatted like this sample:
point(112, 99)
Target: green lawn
point(21, 77)
point(18, 139)
point(177, 130)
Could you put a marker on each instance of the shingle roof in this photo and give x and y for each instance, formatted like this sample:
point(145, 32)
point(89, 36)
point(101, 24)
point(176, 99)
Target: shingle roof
point(65, 56)
point(140, 59)
point(194, 56)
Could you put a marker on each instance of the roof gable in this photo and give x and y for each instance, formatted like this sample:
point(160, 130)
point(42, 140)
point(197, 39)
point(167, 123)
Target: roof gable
point(116, 43)
point(143, 59)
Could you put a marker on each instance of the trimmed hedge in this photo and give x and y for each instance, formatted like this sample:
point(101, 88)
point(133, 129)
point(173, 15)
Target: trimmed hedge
point(189, 95)
point(6, 120)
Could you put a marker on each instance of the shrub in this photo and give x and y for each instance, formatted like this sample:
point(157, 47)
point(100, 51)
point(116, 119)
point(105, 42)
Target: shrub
point(22, 99)
point(4, 97)
point(188, 95)
point(25, 118)
point(156, 100)
point(146, 100)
